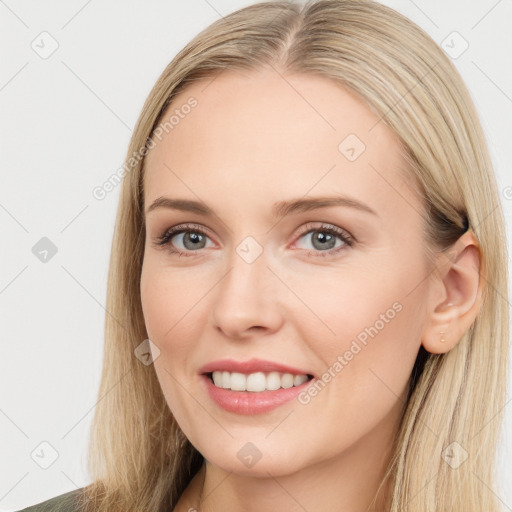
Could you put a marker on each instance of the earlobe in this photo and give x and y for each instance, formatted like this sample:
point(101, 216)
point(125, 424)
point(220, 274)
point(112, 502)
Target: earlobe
point(458, 295)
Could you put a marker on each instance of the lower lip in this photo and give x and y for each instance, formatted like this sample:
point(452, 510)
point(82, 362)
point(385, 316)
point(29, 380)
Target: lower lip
point(250, 402)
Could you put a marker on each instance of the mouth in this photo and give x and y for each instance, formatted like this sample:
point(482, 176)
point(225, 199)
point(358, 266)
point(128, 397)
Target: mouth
point(256, 382)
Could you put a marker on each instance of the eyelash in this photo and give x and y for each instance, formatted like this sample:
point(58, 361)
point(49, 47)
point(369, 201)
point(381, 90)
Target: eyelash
point(346, 238)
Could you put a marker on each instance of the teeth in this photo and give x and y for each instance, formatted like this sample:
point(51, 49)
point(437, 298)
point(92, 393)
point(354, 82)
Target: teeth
point(258, 381)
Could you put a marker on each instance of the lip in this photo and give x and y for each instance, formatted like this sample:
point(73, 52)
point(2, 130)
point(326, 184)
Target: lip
point(251, 366)
point(249, 402)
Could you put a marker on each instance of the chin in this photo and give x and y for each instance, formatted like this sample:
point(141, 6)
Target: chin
point(257, 458)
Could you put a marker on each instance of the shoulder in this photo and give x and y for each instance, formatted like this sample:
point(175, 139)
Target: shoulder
point(67, 502)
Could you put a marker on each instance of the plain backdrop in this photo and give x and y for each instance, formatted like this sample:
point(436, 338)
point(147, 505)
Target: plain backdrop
point(73, 80)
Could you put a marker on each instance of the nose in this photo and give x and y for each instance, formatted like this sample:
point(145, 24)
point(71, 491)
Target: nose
point(246, 299)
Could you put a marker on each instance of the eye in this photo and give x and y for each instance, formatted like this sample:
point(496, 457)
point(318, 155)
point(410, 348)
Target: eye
point(191, 236)
point(323, 239)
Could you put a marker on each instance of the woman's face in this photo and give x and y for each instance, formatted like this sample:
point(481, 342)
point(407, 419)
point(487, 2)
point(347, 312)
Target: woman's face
point(331, 290)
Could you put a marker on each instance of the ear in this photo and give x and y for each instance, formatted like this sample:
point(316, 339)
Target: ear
point(456, 297)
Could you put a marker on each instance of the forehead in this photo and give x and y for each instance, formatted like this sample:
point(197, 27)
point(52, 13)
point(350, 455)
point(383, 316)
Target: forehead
point(261, 135)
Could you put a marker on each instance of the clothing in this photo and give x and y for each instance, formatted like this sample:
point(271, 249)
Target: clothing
point(63, 503)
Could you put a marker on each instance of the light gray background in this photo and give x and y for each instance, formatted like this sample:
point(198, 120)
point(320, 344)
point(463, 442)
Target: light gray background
point(66, 123)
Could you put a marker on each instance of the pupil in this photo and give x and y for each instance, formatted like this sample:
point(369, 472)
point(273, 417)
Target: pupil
point(323, 238)
point(193, 238)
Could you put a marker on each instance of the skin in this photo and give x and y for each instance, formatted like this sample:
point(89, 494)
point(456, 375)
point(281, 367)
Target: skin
point(254, 139)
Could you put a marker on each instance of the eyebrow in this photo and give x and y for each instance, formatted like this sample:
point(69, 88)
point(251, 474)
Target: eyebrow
point(280, 209)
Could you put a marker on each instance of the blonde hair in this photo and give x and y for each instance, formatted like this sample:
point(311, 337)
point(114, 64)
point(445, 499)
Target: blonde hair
point(139, 459)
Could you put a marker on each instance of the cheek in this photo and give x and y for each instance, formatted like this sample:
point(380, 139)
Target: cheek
point(170, 322)
point(156, 299)
point(166, 296)
point(175, 309)
point(367, 330)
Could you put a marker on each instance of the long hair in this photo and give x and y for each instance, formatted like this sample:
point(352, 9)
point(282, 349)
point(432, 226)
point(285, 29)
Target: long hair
point(139, 459)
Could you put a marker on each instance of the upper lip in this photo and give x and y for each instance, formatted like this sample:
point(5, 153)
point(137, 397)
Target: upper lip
point(250, 366)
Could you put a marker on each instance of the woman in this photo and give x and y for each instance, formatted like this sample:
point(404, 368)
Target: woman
point(307, 294)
